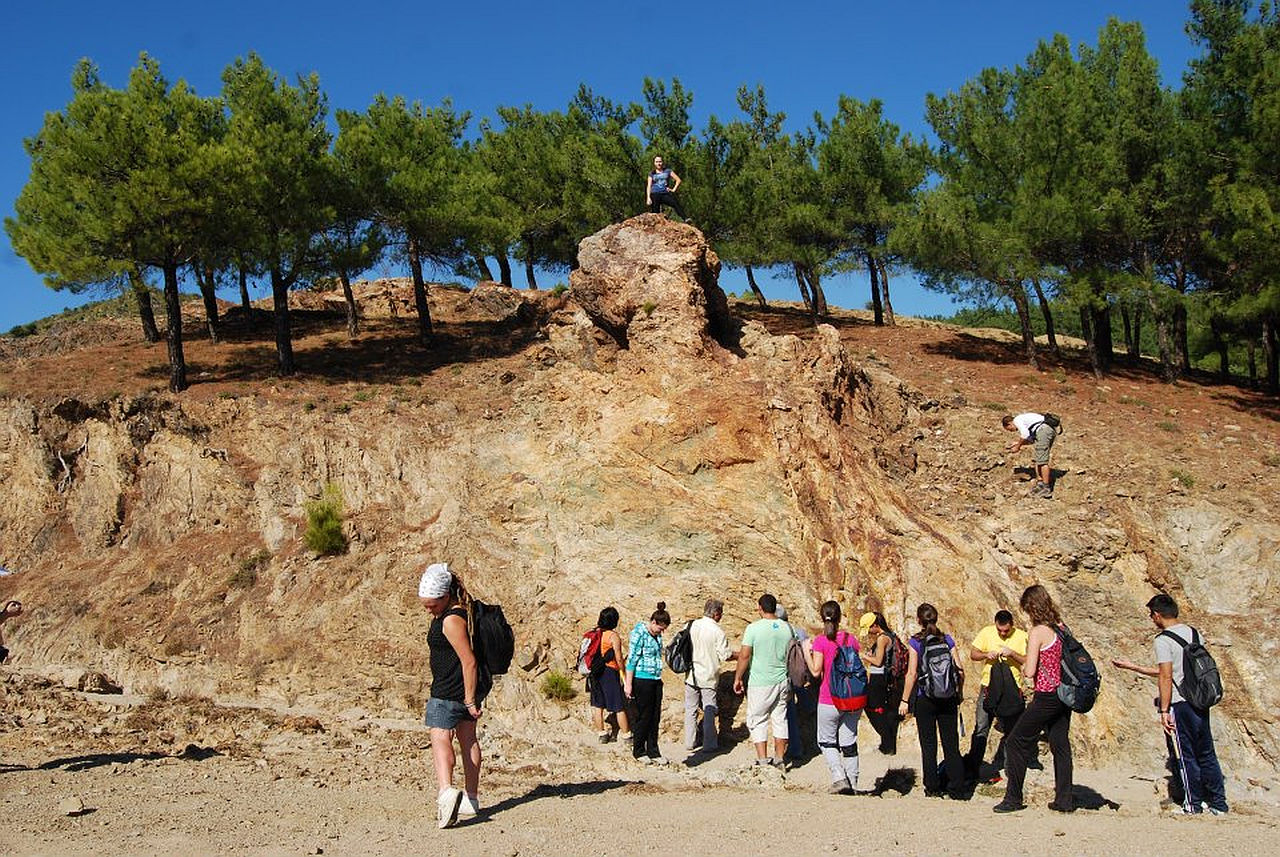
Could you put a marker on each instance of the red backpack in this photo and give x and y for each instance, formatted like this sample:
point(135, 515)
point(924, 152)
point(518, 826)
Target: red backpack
point(589, 651)
point(897, 659)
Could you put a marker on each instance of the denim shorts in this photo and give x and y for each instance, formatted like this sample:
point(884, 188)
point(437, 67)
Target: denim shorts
point(445, 713)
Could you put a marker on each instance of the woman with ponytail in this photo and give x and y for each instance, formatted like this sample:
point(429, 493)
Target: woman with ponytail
point(882, 699)
point(936, 676)
point(454, 706)
point(837, 730)
point(644, 682)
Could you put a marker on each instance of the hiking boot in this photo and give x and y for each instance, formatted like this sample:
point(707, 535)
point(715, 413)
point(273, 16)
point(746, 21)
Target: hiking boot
point(1006, 806)
point(447, 806)
point(840, 787)
point(1058, 807)
point(469, 807)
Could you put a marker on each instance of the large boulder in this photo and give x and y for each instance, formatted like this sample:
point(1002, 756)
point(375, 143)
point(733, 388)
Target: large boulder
point(651, 283)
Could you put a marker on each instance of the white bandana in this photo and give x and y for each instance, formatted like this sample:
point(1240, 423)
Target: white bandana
point(435, 581)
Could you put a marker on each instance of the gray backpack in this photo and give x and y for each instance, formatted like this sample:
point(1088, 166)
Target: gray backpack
point(937, 675)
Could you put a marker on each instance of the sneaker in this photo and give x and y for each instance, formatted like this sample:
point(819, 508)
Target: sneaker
point(658, 760)
point(469, 807)
point(447, 806)
point(783, 765)
point(1217, 812)
point(625, 738)
point(1039, 490)
point(1006, 806)
point(604, 737)
point(840, 787)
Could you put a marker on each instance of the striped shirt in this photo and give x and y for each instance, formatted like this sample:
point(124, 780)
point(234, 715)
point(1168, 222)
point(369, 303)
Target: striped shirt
point(646, 652)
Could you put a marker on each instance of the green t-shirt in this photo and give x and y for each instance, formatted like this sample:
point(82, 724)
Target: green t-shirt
point(768, 639)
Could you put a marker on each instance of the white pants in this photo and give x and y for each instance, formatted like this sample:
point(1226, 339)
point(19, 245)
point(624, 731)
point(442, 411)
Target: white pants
point(767, 706)
point(838, 741)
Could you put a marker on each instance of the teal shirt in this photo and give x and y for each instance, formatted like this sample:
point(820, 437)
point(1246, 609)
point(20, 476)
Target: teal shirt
point(768, 639)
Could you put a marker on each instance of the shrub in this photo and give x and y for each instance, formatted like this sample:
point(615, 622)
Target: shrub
point(996, 406)
point(1271, 460)
point(324, 523)
point(558, 686)
point(649, 307)
point(559, 289)
point(246, 573)
point(1165, 425)
point(1183, 478)
point(21, 330)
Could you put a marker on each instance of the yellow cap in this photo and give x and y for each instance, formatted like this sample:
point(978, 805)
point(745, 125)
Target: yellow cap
point(865, 622)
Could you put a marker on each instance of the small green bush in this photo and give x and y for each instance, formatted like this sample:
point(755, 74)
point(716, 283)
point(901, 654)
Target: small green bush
point(20, 330)
point(1166, 425)
point(246, 573)
point(558, 686)
point(649, 307)
point(1183, 478)
point(996, 406)
point(324, 523)
point(559, 289)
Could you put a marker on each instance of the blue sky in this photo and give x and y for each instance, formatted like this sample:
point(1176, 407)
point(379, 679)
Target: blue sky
point(485, 54)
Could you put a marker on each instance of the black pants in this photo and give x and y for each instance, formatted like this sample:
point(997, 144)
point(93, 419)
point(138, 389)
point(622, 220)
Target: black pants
point(1199, 758)
point(938, 720)
point(882, 711)
point(667, 198)
point(647, 693)
point(1046, 712)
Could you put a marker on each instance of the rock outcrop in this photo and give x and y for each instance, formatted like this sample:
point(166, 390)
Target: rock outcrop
point(648, 447)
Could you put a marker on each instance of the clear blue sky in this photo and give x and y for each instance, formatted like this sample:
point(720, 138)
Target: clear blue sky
point(485, 54)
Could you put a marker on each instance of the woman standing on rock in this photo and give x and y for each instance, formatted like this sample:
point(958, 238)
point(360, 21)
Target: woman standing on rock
point(454, 706)
point(837, 730)
point(881, 704)
point(1046, 713)
point(606, 691)
point(644, 682)
point(936, 677)
point(660, 189)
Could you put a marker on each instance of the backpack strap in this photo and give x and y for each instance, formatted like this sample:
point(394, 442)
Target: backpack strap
point(1179, 640)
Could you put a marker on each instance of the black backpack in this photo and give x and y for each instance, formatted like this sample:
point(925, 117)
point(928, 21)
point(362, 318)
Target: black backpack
point(938, 676)
point(1201, 684)
point(680, 650)
point(1080, 681)
point(492, 638)
point(1053, 421)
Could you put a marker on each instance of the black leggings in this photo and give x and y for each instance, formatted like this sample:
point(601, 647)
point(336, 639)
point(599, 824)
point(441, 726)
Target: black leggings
point(647, 693)
point(939, 720)
point(667, 198)
point(882, 711)
point(1046, 712)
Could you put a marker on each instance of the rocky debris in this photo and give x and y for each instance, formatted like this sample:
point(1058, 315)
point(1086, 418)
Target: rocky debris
point(493, 302)
point(94, 682)
point(71, 806)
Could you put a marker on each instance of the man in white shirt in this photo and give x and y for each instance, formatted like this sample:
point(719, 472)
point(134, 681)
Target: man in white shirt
point(1033, 430)
point(710, 649)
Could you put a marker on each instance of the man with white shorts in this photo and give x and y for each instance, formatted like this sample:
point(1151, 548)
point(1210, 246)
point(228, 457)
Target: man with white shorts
point(762, 660)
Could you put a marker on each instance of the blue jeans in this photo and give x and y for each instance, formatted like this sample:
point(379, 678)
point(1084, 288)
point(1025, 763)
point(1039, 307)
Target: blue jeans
point(1195, 740)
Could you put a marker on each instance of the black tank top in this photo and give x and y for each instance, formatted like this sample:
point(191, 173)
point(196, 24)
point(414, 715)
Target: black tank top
point(446, 669)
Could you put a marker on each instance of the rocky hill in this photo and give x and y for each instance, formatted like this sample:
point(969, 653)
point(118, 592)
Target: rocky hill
point(639, 438)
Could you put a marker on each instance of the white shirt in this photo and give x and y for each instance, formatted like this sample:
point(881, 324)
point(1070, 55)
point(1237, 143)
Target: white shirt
point(710, 649)
point(1024, 422)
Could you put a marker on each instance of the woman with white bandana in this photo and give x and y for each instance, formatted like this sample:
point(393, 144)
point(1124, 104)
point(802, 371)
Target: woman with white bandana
point(454, 707)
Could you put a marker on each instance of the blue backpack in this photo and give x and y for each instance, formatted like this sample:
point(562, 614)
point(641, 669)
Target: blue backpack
point(848, 682)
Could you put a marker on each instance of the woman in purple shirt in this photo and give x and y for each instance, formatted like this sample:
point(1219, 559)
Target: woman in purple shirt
point(937, 692)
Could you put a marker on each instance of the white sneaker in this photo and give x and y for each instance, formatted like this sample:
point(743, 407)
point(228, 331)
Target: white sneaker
point(447, 806)
point(469, 807)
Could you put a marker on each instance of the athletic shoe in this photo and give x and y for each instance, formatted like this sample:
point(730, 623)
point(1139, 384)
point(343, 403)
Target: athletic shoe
point(1038, 490)
point(625, 738)
point(783, 765)
point(1006, 806)
point(1217, 812)
point(658, 760)
point(1057, 807)
point(840, 787)
point(469, 807)
point(604, 737)
point(447, 806)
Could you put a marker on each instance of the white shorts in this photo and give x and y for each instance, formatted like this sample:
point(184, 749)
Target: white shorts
point(767, 706)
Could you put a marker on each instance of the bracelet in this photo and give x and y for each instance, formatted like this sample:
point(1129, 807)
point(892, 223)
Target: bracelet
point(1164, 711)
point(471, 704)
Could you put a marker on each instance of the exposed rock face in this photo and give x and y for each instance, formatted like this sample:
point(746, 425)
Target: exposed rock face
point(648, 450)
point(651, 283)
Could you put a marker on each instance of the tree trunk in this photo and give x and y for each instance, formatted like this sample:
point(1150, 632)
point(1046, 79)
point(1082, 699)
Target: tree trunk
point(1220, 345)
point(353, 322)
point(884, 289)
point(1271, 352)
point(1128, 328)
point(528, 273)
point(1180, 318)
point(1103, 343)
point(1135, 347)
point(751, 281)
point(485, 273)
point(1045, 311)
point(244, 293)
point(504, 268)
point(146, 314)
point(173, 330)
point(877, 306)
point(420, 294)
point(804, 292)
point(1018, 293)
point(1086, 329)
point(205, 277)
point(1251, 351)
point(815, 289)
point(280, 308)
point(1164, 341)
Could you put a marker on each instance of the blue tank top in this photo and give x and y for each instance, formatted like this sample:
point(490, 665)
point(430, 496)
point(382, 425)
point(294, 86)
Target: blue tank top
point(660, 180)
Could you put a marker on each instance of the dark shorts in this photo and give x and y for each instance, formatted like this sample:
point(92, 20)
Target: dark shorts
point(445, 713)
point(607, 692)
